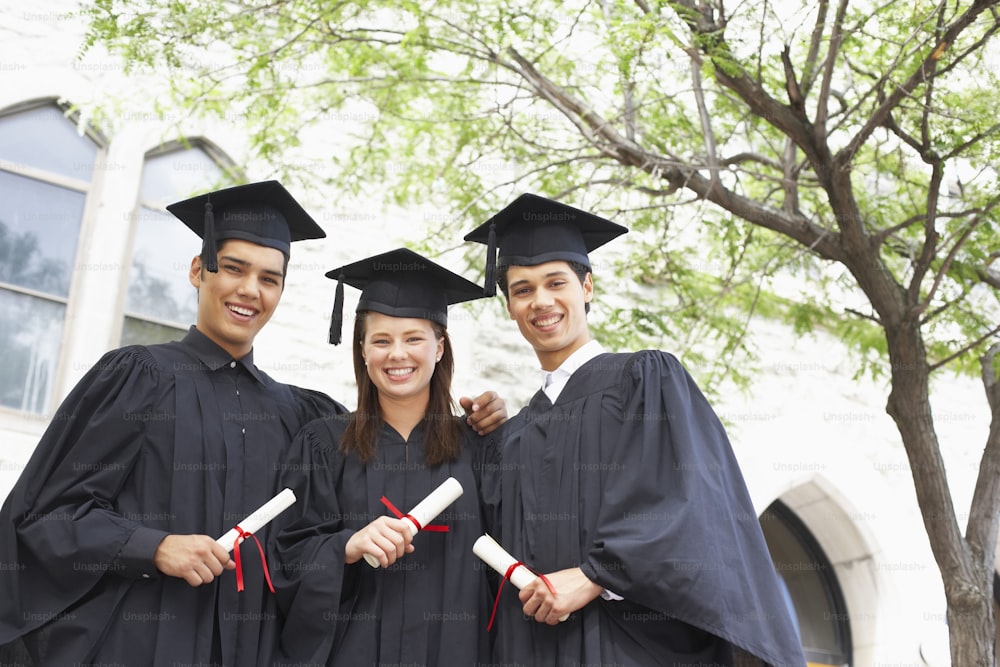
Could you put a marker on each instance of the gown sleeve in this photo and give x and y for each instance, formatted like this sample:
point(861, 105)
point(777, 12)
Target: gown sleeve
point(313, 405)
point(60, 523)
point(309, 548)
point(677, 531)
point(487, 465)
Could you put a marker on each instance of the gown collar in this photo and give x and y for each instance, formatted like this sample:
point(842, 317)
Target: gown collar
point(213, 356)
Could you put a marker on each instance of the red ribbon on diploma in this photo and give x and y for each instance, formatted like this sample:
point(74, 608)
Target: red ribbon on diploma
point(506, 578)
point(399, 515)
point(239, 565)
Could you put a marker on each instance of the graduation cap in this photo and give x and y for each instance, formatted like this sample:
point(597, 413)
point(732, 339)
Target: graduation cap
point(263, 213)
point(400, 283)
point(533, 230)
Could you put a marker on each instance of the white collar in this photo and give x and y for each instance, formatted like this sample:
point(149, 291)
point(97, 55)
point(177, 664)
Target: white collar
point(554, 381)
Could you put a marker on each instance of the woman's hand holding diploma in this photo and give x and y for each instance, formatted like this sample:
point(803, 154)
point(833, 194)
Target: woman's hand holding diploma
point(385, 540)
point(380, 534)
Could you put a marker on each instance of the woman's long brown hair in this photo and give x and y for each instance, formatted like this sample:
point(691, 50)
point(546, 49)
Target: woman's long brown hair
point(442, 429)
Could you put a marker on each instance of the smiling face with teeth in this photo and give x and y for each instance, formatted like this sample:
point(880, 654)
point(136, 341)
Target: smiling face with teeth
point(235, 303)
point(548, 302)
point(400, 354)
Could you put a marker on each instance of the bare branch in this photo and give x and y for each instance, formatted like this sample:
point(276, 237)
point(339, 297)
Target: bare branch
point(929, 247)
point(711, 154)
point(809, 72)
point(964, 349)
point(984, 520)
point(822, 110)
point(864, 316)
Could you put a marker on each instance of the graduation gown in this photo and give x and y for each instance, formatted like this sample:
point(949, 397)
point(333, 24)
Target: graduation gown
point(160, 439)
point(630, 476)
point(429, 607)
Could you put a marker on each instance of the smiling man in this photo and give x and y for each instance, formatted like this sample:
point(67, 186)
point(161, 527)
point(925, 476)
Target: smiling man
point(156, 452)
point(617, 481)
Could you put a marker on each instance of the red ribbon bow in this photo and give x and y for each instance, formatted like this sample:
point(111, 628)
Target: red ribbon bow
point(239, 565)
point(399, 515)
point(506, 578)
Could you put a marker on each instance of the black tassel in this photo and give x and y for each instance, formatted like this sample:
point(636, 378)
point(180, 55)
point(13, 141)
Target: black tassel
point(490, 286)
point(337, 318)
point(209, 252)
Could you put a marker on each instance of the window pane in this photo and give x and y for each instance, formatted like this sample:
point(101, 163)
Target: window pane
point(141, 332)
point(809, 581)
point(158, 286)
point(39, 226)
point(29, 337)
point(44, 138)
point(177, 175)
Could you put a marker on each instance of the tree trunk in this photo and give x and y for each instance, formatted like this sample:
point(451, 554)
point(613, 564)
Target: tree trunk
point(968, 585)
point(970, 627)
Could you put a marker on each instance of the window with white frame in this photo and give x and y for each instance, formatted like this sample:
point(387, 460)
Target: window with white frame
point(46, 172)
point(160, 302)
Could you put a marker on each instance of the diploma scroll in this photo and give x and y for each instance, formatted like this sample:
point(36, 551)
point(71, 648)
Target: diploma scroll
point(494, 555)
point(260, 518)
point(427, 509)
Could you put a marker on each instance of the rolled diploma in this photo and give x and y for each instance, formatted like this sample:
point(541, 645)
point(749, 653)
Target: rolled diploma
point(427, 509)
point(494, 555)
point(259, 518)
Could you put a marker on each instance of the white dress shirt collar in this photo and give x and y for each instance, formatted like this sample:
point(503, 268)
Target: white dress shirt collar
point(553, 382)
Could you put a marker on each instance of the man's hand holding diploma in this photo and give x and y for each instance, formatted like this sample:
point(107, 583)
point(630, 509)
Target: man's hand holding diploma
point(197, 559)
point(573, 591)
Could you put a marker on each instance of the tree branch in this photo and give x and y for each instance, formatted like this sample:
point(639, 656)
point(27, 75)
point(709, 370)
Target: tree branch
point(929, 248)
point(611, 143)
point(984, 519)
point(919, 76)
point(965, 348)
point(711, 154)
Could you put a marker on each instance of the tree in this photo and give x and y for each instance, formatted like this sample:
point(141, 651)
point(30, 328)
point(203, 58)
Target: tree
point(851, 146)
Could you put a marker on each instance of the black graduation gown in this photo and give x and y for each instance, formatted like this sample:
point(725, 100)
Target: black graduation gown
point(172, 438)
point(428, 608)
point(630, 476)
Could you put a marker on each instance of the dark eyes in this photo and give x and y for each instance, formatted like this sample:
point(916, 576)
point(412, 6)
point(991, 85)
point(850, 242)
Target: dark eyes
point(234, 268)
point(555, 284)
point(386, 341)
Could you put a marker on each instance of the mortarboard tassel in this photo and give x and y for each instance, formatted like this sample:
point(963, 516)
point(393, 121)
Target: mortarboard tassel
point(337, 318)
point(210, 254)
point(490, 282)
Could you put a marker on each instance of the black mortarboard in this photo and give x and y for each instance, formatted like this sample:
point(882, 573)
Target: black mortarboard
point(400, 283)
point(263, 213)
point(533, 230)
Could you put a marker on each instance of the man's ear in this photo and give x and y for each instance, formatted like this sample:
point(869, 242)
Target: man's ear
point(588, 288)
point(194, 275)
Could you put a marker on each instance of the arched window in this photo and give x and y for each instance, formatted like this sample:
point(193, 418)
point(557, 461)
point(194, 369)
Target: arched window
point(812, 589)
point(46, 171)
point(160, 303)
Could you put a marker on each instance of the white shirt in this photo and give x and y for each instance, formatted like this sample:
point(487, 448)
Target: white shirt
point(553, 382)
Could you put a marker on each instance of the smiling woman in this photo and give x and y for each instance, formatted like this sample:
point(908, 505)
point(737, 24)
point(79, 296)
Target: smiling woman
point(427, 599)
point(400, 355)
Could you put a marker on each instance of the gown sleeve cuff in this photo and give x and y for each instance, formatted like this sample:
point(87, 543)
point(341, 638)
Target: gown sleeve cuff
point(591, 574)
point(135, 560)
